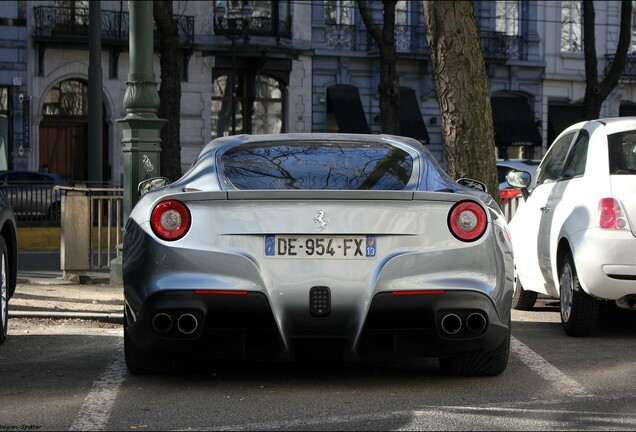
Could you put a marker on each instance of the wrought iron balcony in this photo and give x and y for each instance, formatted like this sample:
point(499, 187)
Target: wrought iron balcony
point(69, 24)
point(259, 26)
point(629, 73)
point(500, 46)
point(341, 36)
point(411, 39)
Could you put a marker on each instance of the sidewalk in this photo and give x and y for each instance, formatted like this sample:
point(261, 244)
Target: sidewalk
point(45, 294)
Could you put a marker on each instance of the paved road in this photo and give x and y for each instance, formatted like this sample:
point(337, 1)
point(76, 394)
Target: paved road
point(70, 374)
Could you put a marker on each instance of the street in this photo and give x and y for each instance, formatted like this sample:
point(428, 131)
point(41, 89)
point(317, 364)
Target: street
point(553, 382)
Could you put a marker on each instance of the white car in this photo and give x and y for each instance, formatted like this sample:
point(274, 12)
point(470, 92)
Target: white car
point(574, 236)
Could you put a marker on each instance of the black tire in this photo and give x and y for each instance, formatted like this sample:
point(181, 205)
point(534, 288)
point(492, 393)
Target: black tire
point(140, 362)
point(579, 311)
point(55, 212)
point(491, 363)
point(4, 290)
point(522, 299)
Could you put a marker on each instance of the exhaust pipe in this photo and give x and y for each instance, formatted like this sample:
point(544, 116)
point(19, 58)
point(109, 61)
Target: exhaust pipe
point(162, 323)
point(187, 324)
point(476, 322)
point(451, 324)
point(627, 302)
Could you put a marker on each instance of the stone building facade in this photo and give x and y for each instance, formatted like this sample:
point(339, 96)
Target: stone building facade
point(297, 66)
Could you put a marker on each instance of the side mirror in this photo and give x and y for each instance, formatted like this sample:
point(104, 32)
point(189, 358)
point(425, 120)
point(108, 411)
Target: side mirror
point(473, 184)
point(148, 185)
point(520, 180)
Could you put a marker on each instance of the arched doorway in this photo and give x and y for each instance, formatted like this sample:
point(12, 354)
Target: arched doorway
point(64, 131)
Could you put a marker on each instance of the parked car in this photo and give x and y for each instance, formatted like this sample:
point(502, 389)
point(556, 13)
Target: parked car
point(338, 246)
point(8, 262)
point(574, 236)
point(32, 194)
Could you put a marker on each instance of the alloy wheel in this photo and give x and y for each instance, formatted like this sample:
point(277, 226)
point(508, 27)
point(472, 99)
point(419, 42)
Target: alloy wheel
point(3, 293)
point(567, 287)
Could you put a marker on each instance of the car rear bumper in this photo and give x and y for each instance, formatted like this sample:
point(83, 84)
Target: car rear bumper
point(242, 326)
point(606, 263)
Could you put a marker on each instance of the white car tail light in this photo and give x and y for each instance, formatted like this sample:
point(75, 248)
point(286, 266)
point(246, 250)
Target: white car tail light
point(611, 214)
point(170, 220)
point(467, 221)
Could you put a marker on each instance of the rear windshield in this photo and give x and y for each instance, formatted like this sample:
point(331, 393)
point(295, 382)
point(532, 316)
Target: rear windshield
point(622, 153)
point(318, 165)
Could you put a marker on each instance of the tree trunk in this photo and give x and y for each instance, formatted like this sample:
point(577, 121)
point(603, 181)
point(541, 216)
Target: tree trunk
point(388, 88)
point(595, 92)
point(463, 92)
point(171, 62)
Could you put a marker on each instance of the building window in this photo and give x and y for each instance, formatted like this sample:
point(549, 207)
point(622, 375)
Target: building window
point(507, 17)
point(571, 18)
point(268, 17)
point(67, 98)
point(402, 13)
point(73, 15)
point(259, 105)
point(339, 24)
point(339, 12)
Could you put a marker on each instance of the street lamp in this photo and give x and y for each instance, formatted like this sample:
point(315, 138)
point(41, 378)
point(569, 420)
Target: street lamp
point(229, 27)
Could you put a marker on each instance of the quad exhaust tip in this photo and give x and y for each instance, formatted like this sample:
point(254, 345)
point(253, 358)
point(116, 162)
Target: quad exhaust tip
point(474, 323)
point(163, 323)
point(451, 324)
point(187, 324)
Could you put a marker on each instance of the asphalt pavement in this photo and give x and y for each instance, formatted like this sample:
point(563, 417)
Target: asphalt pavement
point(43, 292)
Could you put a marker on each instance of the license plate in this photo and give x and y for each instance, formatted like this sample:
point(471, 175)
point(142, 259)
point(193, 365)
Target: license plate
point(326, 247)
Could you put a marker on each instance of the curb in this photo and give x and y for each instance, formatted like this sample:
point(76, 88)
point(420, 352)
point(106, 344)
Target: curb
point(113, 318)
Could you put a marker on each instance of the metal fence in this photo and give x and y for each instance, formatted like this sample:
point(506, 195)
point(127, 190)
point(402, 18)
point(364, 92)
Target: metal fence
point(34, 202)
point(510, 205)
point(92, 227)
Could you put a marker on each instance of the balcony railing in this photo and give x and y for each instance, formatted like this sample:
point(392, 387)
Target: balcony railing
point(65, 23)
point(500, 46)
point(341, 36)
point(629, 73)
point(411, 39)
point(259, 26)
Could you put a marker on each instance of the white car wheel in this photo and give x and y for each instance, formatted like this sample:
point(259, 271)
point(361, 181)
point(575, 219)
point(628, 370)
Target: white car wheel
point(578, 309)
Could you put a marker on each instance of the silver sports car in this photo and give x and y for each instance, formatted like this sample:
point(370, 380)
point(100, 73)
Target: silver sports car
point(317, 246)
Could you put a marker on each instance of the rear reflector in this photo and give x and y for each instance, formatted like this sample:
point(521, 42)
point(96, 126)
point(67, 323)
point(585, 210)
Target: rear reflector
point(422, 292)
point(221, 292)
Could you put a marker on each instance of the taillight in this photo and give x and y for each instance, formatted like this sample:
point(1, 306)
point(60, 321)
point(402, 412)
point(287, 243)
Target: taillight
point(611, 214)
point(170, 220)
point(507, 194)
point(467, 221)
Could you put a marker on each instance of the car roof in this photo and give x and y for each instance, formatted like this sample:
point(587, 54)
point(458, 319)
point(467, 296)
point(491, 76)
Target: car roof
point(612, 124)
point(52, 175)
